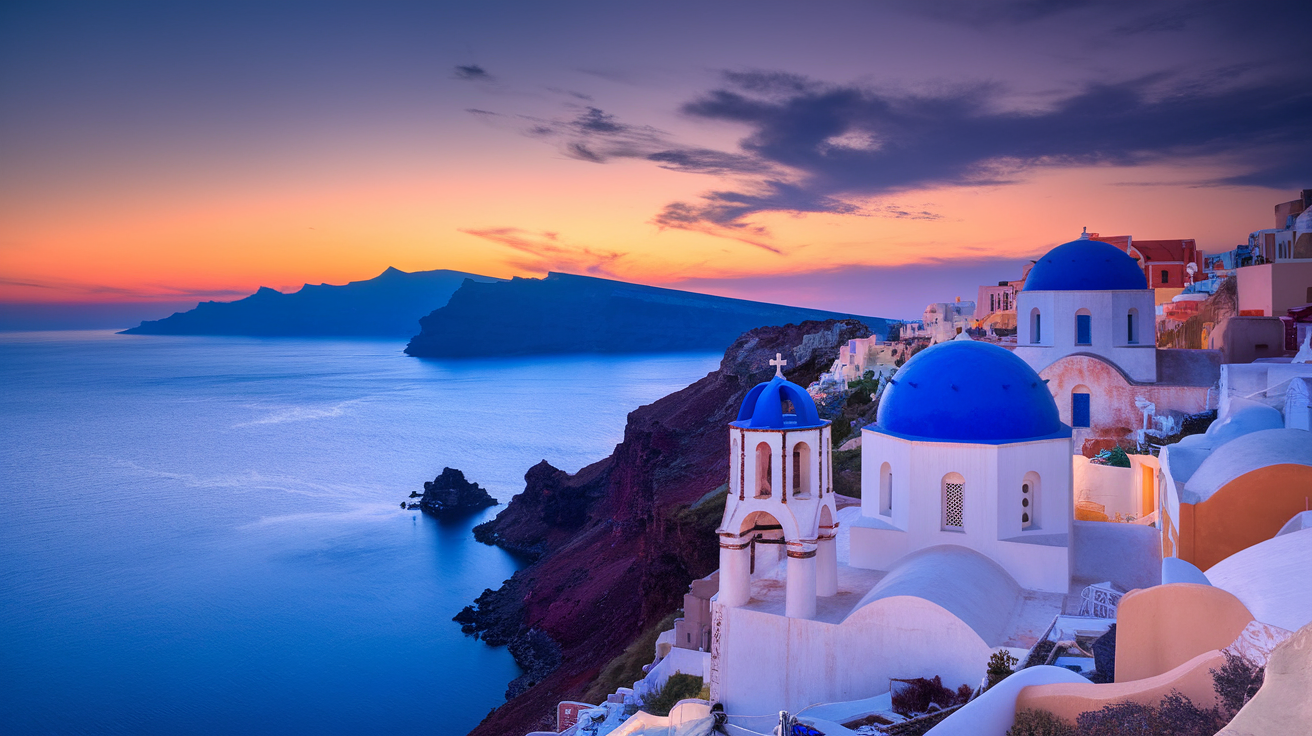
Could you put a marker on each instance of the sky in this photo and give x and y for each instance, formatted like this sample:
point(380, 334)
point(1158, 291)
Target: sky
point(857, 156)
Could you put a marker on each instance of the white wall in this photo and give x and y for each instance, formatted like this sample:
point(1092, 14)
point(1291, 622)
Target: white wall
point(1038, 557)
point(1266, 383)
point(768, 662)
point(678, 660)
point(1114, 488)
point(1107, 310)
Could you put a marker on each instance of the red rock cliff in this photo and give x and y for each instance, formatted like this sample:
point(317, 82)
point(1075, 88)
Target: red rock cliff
point(614, 553)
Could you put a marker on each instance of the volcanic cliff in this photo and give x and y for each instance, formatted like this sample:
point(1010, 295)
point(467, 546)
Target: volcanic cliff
point(618, 543)
point(387, 305)
point(564, 313)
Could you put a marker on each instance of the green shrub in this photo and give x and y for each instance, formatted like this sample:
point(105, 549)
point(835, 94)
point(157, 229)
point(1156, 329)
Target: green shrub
point(1115, 457)
point(626, 668)
point(1175, 715)
point(1001, 664)
point(1039, 723)
point(916, 695)
point(840, 430)
point(1236, 682)
point(678, 687)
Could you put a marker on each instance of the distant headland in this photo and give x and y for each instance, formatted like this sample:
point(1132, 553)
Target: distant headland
point(564, 313)
point(388, 305)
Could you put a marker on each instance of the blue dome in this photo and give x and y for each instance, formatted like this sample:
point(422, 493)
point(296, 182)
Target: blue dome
point(966, 391)
point(1085, 265)
point(763, 408)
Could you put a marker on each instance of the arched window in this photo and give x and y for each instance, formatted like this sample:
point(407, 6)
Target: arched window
point(1131, 327)
point(764, 469)
point(1083, 327)
point(954, 502)
point(1080, 406)
point(886, 490)
point(1036, 331)
point(735, 478)
point(1029, 501)
point(803, 469)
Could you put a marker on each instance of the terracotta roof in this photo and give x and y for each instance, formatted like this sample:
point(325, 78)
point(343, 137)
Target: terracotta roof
point(1163, 250)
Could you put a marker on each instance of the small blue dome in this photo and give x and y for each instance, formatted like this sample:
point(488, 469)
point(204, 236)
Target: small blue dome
point(966, 391)
point(1085, 265)
point(763, 408)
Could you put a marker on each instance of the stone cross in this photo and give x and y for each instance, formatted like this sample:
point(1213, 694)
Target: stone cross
point(779, 364)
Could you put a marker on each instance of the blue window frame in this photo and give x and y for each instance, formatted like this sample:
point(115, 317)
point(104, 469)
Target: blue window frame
point(1079, 410)
point(1083, 329)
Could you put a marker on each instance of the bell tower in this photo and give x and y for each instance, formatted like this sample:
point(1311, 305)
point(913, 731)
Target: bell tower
point(781, 507)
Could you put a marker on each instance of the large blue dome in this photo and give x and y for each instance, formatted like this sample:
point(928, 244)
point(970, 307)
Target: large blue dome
point(966, 391)
point(763, 408)
point(1085, 265)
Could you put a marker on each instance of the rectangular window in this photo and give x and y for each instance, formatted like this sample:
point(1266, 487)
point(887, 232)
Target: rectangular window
point(1035, 333)
point(1129, 328)
point(1166, 276)
point(953, 500)
point(1083, 329)
point(1079, 410)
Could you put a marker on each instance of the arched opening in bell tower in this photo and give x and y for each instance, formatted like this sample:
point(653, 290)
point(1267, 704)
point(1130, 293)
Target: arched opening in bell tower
point(803, 470)
point(765, 536)
point(764, 469)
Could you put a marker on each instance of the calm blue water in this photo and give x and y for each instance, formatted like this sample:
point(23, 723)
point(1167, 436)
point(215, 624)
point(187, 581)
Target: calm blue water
point(203, 535)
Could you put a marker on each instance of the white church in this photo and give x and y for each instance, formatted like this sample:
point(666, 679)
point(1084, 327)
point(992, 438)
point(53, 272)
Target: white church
point(964, 547)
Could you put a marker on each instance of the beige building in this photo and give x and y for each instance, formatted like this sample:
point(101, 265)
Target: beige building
point(1272, 289)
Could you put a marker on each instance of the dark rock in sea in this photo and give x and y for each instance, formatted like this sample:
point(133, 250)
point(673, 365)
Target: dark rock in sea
point(618, 543)
point(449, 493)
point(537, 654)
point(388, 305)
point(563, 313)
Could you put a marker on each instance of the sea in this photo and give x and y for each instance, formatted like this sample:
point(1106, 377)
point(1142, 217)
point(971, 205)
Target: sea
point(204, 535)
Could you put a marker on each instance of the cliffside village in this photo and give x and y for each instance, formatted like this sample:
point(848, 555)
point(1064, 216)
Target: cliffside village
point(1088, 489)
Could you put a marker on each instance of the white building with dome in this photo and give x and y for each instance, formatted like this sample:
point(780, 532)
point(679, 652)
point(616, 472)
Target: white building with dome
point(1091, 298)
point(964, 547)
point(1086, 322)
point(968, 450)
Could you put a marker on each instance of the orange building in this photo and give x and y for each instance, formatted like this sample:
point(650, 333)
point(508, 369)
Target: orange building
point(1221, 498)
point(1164, 262)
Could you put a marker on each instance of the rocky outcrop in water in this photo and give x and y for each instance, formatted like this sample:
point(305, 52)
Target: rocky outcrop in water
point(449, 494)
point(618, 543)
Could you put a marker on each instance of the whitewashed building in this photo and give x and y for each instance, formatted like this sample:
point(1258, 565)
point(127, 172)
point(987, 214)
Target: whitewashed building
point(964, 547)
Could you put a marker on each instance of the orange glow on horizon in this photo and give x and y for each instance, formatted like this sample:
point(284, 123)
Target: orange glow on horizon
point(226, 238)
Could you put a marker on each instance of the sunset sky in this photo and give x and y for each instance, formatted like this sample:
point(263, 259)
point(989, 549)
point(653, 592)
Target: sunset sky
point(864, 157)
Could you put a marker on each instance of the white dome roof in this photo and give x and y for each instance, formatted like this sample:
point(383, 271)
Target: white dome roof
point(1245, 454)
point(1248, 417)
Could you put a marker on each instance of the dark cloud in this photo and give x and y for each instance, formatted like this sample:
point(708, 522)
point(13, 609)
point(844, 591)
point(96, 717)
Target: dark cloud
point(707, 161)
point(845, 144)
point(472, 72)
point(597, 136)
point(595, 121)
